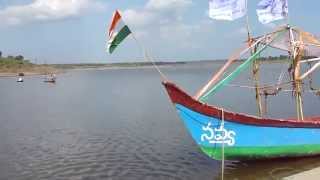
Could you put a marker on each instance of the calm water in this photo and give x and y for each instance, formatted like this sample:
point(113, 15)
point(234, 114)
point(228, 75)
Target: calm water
point(120, 124)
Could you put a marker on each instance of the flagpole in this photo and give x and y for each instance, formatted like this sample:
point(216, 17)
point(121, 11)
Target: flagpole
point(287, 17)
point(247, 20)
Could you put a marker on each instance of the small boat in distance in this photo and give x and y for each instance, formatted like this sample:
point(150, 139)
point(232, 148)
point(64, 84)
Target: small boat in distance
point(20, 79)
point(50, 78)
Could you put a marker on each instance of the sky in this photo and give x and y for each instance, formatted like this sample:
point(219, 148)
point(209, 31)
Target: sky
point(74, 31)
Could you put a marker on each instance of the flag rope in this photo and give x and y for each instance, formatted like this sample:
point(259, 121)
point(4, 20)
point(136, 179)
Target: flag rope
point(222, 148)
point(125, 31)
point(237, 71)
point(148, 57)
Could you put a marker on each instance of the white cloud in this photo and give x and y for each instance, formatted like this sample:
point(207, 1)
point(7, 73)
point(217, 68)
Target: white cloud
point(167, 4)
point(182, 34)
point(157, 11)
point(178, 31)
point(166, 19)
point(46, 10)
point(139, 18)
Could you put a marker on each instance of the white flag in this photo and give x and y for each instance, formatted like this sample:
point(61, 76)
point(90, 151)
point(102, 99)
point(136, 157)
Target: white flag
point(227, 9)
point(271, 10)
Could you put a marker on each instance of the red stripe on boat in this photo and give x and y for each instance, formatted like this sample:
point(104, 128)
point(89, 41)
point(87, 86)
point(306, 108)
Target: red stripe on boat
point(178, 96)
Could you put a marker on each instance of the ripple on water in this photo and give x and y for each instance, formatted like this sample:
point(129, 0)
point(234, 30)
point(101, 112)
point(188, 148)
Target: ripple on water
point(77, 154)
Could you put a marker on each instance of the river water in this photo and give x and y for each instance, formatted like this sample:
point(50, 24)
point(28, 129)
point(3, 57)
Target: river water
point(120, 124)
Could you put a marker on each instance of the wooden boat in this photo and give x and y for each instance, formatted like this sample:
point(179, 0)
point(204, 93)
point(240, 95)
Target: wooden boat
point(244, 136)
point(50, 79)
point(222, 134)
point(239, 136)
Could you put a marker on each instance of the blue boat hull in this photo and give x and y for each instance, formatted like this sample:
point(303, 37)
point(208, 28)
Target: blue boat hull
point(243, 136)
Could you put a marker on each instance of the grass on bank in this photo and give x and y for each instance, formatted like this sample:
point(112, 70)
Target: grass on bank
point(19, 65)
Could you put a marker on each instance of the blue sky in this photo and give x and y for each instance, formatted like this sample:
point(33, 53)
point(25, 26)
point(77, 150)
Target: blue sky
point(74, 31)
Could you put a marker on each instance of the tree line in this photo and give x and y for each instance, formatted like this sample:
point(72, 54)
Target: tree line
point(18, 57)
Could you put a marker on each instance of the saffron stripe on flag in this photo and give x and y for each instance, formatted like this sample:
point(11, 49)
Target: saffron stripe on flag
point(115, 19)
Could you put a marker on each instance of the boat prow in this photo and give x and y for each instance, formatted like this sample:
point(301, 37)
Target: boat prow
point(244, 136)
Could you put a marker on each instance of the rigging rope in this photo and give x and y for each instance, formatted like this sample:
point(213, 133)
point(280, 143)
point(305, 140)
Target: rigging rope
point(148, 57)
point(266, 87)
point(239, 53)
point(312, 88)
point(222, 161)
point(281, 75)
point(231, 76)
point(238, 70)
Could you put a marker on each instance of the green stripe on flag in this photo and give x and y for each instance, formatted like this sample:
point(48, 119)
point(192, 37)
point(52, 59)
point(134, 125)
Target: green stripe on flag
point(123, 33)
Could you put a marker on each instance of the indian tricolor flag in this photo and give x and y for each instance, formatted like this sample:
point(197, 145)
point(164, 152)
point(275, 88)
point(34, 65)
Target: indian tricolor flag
point(118, 31)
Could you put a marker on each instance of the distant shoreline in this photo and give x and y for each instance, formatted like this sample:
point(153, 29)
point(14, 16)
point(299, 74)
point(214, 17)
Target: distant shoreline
point(39, 70)
point(61, 68)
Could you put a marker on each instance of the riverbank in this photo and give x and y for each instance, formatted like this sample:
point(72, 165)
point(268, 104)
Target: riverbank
point(313, 174)
point(14, 66)
point(28, 70)
point(60, 68)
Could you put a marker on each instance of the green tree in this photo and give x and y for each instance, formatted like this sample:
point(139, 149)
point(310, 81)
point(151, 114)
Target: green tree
point(19, 57)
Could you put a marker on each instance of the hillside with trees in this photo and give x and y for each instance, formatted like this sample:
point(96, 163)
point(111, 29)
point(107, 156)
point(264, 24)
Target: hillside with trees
point(13, 65)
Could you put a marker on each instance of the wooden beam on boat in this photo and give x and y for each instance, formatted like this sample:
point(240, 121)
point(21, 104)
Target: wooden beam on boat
point(310, 60)
point(297, 52)
point(215, 78)
point(255, 73)
point(257, 86)
point(314, 67)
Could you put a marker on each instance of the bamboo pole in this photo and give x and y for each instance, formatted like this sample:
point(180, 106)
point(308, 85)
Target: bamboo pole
point(299, 102)
point(298, 58)
point(255, 66)
point(215, 78)
point(255, 72)
point(314, 67)
point(296, 75)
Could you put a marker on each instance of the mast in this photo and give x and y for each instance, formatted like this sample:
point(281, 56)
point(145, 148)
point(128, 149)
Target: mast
point(255, 73)
point(296, 55)
point(255, 66)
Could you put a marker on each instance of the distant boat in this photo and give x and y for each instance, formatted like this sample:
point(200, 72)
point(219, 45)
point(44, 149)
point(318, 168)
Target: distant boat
point(50, 79)
point(20, 79)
